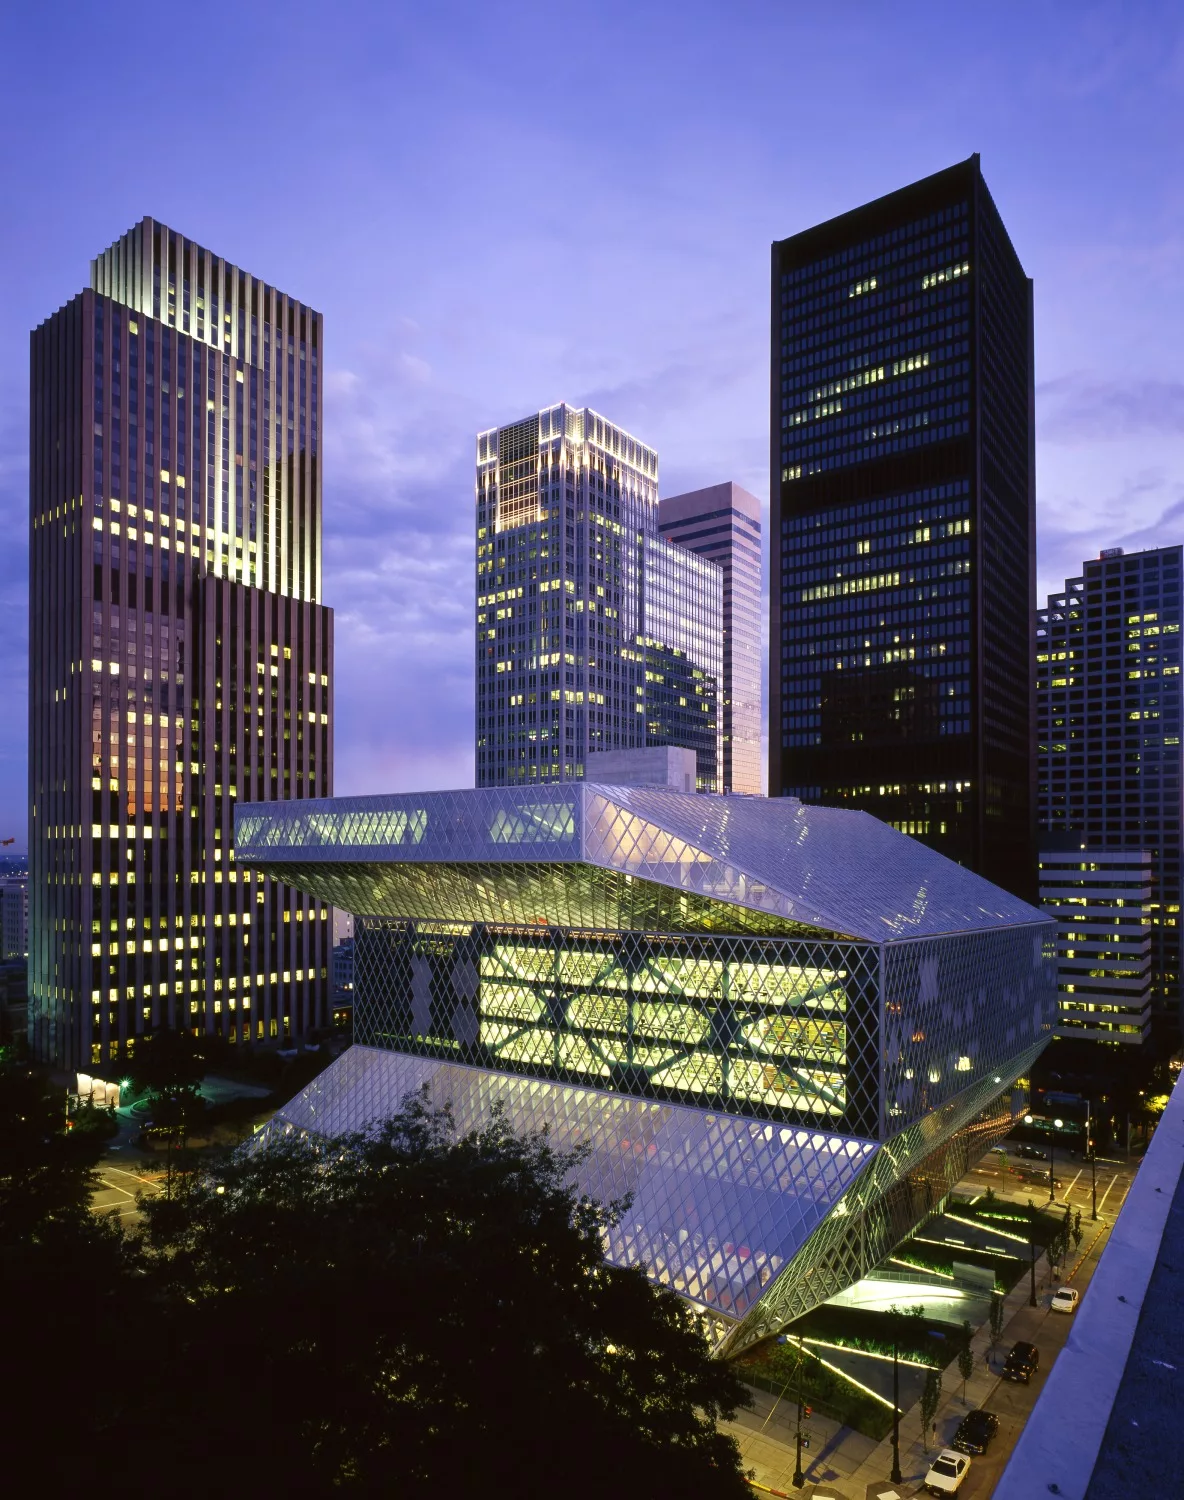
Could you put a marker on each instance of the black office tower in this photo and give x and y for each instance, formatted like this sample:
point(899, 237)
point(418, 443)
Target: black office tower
point(903, 523)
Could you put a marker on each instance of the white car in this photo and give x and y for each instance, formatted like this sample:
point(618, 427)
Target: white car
point(947, 1472)
point(1065, 1300)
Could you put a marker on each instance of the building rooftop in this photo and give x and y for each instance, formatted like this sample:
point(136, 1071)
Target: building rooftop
point(737, 863)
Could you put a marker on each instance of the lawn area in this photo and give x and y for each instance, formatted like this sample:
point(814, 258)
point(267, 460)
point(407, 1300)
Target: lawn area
point(928, 1256)
point(996, 1213)
point(773, 1367)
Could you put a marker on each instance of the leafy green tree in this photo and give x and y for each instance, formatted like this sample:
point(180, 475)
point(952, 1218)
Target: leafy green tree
point(405, 1310)
point(966, 1357)
point(168, 1063)
point(930, 1401)
point(72, 1283)
point(47, 1172)
point(996, 1315)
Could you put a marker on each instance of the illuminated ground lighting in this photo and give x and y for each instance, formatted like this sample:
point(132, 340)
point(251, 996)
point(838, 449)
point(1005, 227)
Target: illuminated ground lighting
point(851, 1380)
point(1005, 1234)
point(917, 1364)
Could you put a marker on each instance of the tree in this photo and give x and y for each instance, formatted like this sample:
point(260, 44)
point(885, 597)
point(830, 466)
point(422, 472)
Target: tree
point(930, 1401)
point(169, 1066)
point(997, 1315)
point(47, 1173)
point(1078, 1232)
point(73, 1276)
point(168, 1063)
point(407, 1308)
point(965, 1357)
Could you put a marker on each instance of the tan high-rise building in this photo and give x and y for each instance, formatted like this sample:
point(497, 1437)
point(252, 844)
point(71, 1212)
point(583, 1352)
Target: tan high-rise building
point(180, 657)
point(723, 524)
point(594, 633)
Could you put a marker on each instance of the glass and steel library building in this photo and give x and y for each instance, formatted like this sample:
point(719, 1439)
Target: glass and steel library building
point(782, 1031)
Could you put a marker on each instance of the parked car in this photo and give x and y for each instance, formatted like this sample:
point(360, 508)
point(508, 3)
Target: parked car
point(1065, 1300)
point(1022, 1363)
point(1032, 1153)
point(947, 1472)
point(975, 1431)
point(997, 1151)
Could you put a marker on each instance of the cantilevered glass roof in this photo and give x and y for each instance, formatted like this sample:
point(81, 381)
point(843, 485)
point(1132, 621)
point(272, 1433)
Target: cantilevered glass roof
point(719, 1205)
point(822, 868)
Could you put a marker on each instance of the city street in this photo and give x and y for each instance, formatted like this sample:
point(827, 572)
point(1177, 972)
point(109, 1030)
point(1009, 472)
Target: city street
point(844, 1465)
point(1114, 1176)
point(124, 1173)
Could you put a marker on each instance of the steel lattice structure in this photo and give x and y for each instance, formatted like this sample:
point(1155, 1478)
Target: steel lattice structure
point(783, 1031)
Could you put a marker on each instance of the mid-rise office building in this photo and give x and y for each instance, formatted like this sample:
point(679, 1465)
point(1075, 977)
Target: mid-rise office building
point(593, 632)
point(1100, 900)
point(14, 916)
point(723, 523)
point(1108, 665)
point(180, 657)
point(902, 522)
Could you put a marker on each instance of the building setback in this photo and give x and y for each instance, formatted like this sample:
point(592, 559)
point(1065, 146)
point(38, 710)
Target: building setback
point(592, 632)
point(1100, 900)
point(903, 521)
point(180, 657)
point(723, 523)
point(1108, 665)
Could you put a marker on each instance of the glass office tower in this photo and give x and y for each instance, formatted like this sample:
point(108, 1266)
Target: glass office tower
point(592, 632)
point(1108, 665)
point(723, 523)
point(903, 521)
point(179, 655)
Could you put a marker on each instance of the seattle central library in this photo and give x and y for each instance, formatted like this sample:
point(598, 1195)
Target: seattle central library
point(782, 1031)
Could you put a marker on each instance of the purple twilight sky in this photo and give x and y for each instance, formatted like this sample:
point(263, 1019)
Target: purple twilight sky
point(497, 206)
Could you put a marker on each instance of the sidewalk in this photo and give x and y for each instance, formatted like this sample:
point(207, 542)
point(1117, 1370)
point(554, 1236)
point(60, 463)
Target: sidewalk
point(842, 1463)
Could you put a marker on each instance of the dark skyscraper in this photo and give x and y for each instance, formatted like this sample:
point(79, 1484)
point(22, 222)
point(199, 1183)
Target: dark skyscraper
point(179, 657)
point(903, 522)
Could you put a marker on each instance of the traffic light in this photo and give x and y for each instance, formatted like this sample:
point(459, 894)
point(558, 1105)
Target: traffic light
point(807, 1411)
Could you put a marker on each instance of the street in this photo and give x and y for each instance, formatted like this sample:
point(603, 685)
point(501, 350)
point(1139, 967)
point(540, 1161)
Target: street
point(123, 1173)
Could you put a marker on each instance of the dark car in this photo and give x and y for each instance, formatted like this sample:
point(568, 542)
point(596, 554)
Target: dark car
point(1032, 1153)
point(975, 1432)
point(1022, 1363)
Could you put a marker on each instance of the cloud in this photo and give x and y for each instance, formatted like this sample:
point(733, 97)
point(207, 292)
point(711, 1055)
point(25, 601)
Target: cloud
point(1144, 512)
point(1080, 408)
point(399, 572)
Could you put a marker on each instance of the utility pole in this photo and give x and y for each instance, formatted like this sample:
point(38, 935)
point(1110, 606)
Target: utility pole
point(799, 1478)
point(895, 1475)
point(1093, 1179)
point(1032, 1252)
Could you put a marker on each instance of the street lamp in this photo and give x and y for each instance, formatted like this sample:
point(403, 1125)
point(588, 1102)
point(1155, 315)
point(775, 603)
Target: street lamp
point(799, 1476)
point(895, 1476)
point(1093, 1177)
point(1032, 1252)
point(1052, 1163)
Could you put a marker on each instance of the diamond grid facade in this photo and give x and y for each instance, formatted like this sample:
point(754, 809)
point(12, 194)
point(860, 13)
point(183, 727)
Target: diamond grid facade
point(782, 1031)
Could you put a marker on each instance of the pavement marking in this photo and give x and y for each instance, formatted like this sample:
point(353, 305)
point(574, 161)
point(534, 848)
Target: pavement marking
point(115, 1188)
point(1106, 1194)
point(124, 1172)
point(1073, 1184)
